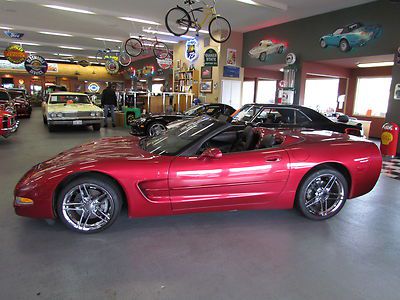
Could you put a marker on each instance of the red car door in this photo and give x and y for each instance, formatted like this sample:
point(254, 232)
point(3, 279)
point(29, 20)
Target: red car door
point(234, 179)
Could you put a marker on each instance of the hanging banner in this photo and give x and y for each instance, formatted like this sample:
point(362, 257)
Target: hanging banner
point(211, 58)
point(165, 63)
point(15, 54)
point(112, 66)
point(36, 65)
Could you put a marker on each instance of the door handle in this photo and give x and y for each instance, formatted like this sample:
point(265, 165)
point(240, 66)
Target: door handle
point(273, 159)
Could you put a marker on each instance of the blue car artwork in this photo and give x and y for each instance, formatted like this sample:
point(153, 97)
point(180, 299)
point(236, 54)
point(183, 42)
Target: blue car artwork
point(350, 36)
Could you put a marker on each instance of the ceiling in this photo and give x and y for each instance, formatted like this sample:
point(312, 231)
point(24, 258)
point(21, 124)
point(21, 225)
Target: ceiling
point(30, 17)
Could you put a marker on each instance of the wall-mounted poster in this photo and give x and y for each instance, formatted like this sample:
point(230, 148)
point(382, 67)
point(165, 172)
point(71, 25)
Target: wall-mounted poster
point(231, 57)
point(231, 71)
point(265, 48)
point(351, 36)
point(53, 68)
point(206, 72)
point(206, 86)
point(211, 58)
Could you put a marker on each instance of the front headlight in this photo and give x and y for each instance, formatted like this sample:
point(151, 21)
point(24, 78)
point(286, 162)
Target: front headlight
point(142, 120)
point(59, 115)
point(92, 114)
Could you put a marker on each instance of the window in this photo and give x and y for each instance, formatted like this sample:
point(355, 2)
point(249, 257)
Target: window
point(156, 88)
point(248, 92)
point(266, 91)
point(372, 96)
point(321, 94)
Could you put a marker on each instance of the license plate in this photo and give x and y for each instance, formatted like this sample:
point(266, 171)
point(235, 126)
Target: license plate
point(77, 122)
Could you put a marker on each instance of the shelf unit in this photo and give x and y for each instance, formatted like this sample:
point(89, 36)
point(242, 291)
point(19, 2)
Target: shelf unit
point(187, 82)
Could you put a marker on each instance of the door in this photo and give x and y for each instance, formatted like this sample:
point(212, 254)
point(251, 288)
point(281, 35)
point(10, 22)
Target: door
point(231, 93)
point(235, 179)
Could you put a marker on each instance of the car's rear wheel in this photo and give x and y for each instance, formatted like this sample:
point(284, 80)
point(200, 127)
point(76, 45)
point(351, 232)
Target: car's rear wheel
point(323, 43)
point(322, 194)
point(156, 128)
point(263, 57)
point(344, 45)
point(89, 204)
point(51, 128)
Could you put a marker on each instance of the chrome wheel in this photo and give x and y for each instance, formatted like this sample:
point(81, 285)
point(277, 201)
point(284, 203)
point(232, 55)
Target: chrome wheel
point(88, 207)
point(156, 129)
point(324, 195)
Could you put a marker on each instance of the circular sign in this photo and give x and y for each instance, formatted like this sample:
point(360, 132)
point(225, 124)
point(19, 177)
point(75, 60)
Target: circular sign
point(93, 87)
point(290, 59)
point(36, 65)
point(15, 54)
point(112, 66)
point(165, 63)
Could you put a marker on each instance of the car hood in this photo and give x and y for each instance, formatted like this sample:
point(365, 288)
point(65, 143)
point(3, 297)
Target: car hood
point(72, 107)
point(121, 148)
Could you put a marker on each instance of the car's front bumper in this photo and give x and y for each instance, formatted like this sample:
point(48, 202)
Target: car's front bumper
point(6, 132)
point(75, 121)
point(138, 129)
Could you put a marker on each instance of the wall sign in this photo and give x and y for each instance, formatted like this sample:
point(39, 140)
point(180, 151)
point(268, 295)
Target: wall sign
point(192, 50)
point(93, 87)
point(112, 66)
point(231, 71)
point(36, 65)
point(211, 58)
point(165, 63)
point(53, 68)
point(231, 57)
point(206, 72)
point(6, 65)
point(15, 54)
point(14, 35)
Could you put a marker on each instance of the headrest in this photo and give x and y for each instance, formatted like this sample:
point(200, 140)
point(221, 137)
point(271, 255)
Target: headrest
point(268, 141)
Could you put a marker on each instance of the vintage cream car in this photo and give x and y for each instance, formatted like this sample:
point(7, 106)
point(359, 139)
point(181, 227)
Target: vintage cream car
point(73, 109)
point(266, 48)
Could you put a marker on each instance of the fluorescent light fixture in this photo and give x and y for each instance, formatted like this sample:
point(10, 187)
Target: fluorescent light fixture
point(92, 57)
point(249, 2)
point(64, 54)
point(376, 64)
point(194, 30)
point(108, 40)
point(82, 11)
point(266, 3)
point(5, 28)
point(152, 39)
point(158, 32)
point(26, 43)
point(139, 20)
point(70, 47)
point(31, 52)
point(58, 59)
point(55, 33)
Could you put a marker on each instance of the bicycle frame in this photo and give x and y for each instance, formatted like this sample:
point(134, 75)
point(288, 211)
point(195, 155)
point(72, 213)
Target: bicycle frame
point(208, 11)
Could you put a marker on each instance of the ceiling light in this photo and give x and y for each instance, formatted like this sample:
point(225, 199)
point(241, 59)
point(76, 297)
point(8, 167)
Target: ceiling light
point(55, 33)
point(108, 40)
point(158, 32)
point(31, 52)
point(139, 20)
point(26, 43)
point(194, 30)
point(153, 39)
point(266, 3)
point(5, 28)
point(82, 11)
point(58, 59)
point(70, 47)
point(249, 2)
point(92, 57)
point(376, 64)
point(63, 54)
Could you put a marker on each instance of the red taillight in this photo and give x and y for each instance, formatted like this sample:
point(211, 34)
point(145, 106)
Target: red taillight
point(352, 131)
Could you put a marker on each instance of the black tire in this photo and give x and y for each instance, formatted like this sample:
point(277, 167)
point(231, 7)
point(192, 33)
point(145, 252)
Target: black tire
point(228, 27)
point(133, 47)
point(323, 44)
point(311, 191)
point(185, 21)
point(155, 127)
point(51, 128)
point(344, 45)
point(263, 57)
point(160, 50)
point(92, 182)
point(44, 120)
point(96, 127)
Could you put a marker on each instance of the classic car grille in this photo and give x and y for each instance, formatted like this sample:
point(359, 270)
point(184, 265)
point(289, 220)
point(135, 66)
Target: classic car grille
point(12, 122)
point(5, 122)
point(78, 114)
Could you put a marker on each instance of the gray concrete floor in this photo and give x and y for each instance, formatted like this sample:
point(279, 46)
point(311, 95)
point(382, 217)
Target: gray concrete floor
point(240, 255)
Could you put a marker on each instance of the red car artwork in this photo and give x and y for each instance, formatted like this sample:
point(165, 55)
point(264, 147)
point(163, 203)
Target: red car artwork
point(200, 166)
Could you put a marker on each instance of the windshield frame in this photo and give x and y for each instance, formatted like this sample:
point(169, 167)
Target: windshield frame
point(68, 95)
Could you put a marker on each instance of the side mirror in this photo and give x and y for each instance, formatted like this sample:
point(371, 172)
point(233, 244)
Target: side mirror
point(211, 153)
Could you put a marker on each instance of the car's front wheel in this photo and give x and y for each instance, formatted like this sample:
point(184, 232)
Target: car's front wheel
point(89, 204)
point(263, 57)
point(322, 194)
point(344, 45)
point(156, 128)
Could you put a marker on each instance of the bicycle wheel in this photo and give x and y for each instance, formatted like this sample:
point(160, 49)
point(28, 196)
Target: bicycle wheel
point(219, 29)
point(178, 21)
point(160, 50)
point(133, 47)
point(124, 59)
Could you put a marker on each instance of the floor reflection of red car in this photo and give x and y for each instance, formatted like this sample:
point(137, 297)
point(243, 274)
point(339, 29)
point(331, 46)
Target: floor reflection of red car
point(8, 125)
point(22, 105)
point(202, 165)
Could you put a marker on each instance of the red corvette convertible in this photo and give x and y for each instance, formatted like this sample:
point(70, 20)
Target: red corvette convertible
point(202, 165)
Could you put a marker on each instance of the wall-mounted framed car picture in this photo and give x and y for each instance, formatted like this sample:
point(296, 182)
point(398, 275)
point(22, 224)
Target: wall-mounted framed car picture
point(206, 72)
point(206, 86)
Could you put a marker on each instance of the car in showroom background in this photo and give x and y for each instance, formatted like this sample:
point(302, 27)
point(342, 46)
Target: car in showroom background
point(8, 124)
point(201, 166)
point(350, 36)
point(71, 109)
point(290, 116)
point(155, 124)
point(22, 105)
point(266, 48)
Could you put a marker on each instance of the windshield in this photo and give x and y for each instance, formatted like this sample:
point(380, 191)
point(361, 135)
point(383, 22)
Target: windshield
point(246, 113)
point(178, 138)
point(4, 96)
point(16, 94)
point(69, 99)
point(195, 111)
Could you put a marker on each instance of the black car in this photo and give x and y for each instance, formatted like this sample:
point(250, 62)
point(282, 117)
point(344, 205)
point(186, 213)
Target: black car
point(154, 124)
point(289, 116)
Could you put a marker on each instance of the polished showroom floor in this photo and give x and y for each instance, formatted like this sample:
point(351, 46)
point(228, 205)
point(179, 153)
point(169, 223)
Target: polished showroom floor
point(237, 255)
